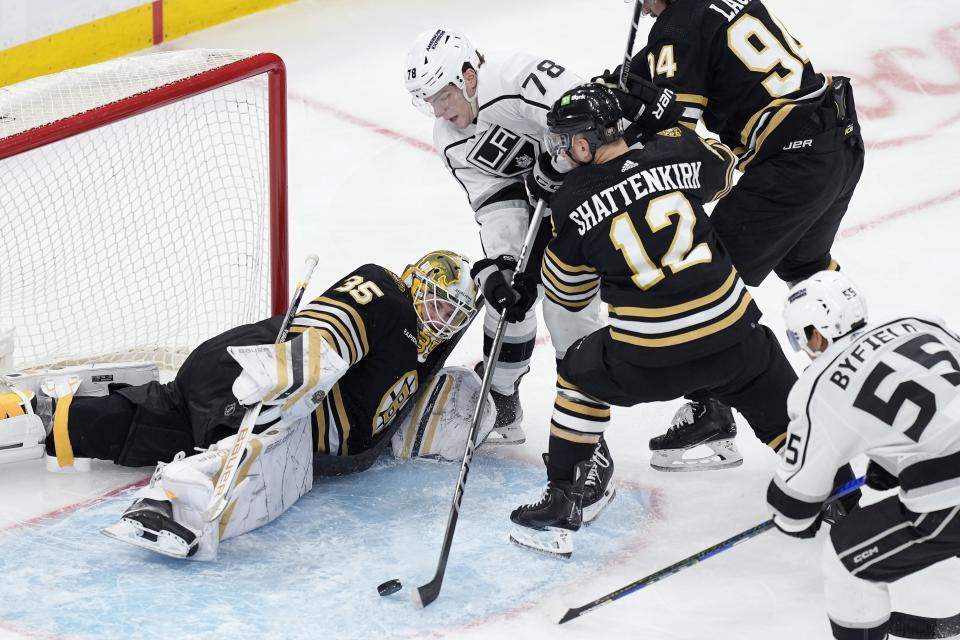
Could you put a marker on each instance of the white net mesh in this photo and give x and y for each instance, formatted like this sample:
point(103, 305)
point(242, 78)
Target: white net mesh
point(141, 238)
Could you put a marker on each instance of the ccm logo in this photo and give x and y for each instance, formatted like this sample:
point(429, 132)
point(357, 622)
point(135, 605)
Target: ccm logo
point(860, 557)
point(798, 144)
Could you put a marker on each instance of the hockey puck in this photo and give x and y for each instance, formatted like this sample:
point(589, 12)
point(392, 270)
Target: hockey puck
point(389, 587)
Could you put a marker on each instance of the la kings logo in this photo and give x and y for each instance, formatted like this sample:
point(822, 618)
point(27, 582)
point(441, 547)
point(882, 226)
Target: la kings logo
point(502, 152)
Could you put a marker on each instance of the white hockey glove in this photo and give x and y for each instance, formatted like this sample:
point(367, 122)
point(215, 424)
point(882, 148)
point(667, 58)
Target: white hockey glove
point(295, 375)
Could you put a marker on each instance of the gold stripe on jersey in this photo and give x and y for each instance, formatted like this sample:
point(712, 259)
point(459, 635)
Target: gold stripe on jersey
point(768, 129)
point(688, 336)
point(342, 421)
point(570, 286)
point(563, 384)
point(723, 152)
point(677, 309)
point(357, 320)
point(313, 369)
point(334, 325)
point(692, 98)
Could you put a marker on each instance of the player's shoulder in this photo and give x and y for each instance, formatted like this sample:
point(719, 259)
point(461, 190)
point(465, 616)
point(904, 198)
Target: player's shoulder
point(688, 21)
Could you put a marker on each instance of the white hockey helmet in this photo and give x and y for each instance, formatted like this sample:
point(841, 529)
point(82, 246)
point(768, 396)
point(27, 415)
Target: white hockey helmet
point(829, 302)
point(437, 58)
point(443, 292)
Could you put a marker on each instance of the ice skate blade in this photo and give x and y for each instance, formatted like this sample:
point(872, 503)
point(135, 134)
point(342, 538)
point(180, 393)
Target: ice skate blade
point(590, 513)
point(513, 434)
point(725, 456)
point(132, 533)
point(554, 542)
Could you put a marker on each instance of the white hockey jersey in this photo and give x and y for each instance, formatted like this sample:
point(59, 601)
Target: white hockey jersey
point(490, 157)
point(892, 392)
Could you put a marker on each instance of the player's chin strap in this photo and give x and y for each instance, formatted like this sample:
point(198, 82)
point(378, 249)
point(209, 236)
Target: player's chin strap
point(696, 558)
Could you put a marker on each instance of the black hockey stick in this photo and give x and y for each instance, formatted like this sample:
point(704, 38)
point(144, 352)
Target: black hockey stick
point(905, 625)
point(228, 475)
point(696, 558)
point(427, 593)
point(631, 39)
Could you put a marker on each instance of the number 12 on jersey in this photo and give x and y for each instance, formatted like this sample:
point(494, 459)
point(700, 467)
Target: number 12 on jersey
point(681, 253)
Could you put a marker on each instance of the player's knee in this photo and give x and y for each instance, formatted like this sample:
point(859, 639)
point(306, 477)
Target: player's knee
point(858, 609)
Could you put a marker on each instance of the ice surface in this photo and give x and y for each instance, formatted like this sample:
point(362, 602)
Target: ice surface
point(365, 187)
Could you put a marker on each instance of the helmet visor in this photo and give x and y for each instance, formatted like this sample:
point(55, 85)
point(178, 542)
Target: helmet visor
point(558, 143)
point(796, 340)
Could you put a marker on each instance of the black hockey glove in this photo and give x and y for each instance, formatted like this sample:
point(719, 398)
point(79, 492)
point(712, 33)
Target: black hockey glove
point(879, 478)
point(649, 107)
point(543, 181)
point(493, 277)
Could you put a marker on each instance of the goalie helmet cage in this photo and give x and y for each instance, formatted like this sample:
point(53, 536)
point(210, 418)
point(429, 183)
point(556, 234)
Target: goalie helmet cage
point(143, 203)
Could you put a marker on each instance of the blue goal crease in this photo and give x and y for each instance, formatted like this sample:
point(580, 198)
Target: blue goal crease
point(315, 569)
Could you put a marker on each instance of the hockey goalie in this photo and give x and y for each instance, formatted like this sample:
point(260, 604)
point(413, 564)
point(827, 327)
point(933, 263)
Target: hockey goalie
point(356, 355)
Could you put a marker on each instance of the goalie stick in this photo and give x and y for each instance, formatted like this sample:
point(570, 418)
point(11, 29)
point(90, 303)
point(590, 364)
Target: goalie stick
point(228, 475)
point(427, 593)
point(689, 561)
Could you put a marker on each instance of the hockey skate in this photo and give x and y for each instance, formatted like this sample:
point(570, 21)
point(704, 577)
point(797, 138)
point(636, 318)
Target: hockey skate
point(149, 524)
point(707, 423)
point(597, 490)
point(548, 524)
point(508, 427)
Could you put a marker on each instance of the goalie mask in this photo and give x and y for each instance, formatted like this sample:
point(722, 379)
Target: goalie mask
point(827, 301)
point(443, 293)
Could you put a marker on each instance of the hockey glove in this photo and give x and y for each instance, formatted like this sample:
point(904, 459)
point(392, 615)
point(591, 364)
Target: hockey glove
point(493, 277)
point(544, 180)
point(879, 478)
point(295, 375)
point(650, 107)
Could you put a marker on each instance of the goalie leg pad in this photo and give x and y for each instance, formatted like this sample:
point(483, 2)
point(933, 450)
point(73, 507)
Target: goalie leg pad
point(21, 430)
point(95, 378)
point(438, 425)
point(276, 469)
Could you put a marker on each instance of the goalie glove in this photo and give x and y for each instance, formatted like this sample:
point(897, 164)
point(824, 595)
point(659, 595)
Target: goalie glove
point(294, 375)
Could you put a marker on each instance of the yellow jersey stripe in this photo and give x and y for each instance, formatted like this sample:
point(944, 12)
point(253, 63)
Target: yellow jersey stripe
point(689, 336)
point(357, 320)
point(563, 266)
point(662, 312)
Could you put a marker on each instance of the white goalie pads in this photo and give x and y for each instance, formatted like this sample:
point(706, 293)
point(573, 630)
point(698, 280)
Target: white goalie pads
point(21, 430)
point(277, 469)
point(52, 388)
point(438, 425)
point(94, 378)
point(294, 375)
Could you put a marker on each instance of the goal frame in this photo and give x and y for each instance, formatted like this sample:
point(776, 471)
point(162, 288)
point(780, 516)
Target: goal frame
point(255, 65)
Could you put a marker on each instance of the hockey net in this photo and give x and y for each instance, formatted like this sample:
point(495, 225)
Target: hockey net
point(142, 205)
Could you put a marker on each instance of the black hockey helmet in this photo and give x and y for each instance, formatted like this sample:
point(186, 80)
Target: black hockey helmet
point(591, 110)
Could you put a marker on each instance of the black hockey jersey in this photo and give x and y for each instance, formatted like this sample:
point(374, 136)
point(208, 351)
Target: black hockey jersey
point(735, 65)
point(369, 319)
point(634, 229)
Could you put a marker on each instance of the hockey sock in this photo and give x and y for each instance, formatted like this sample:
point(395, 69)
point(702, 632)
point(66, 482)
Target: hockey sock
point(564, 456)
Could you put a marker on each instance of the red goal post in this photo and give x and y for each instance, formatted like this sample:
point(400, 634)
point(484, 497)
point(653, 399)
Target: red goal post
point(144, 205)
